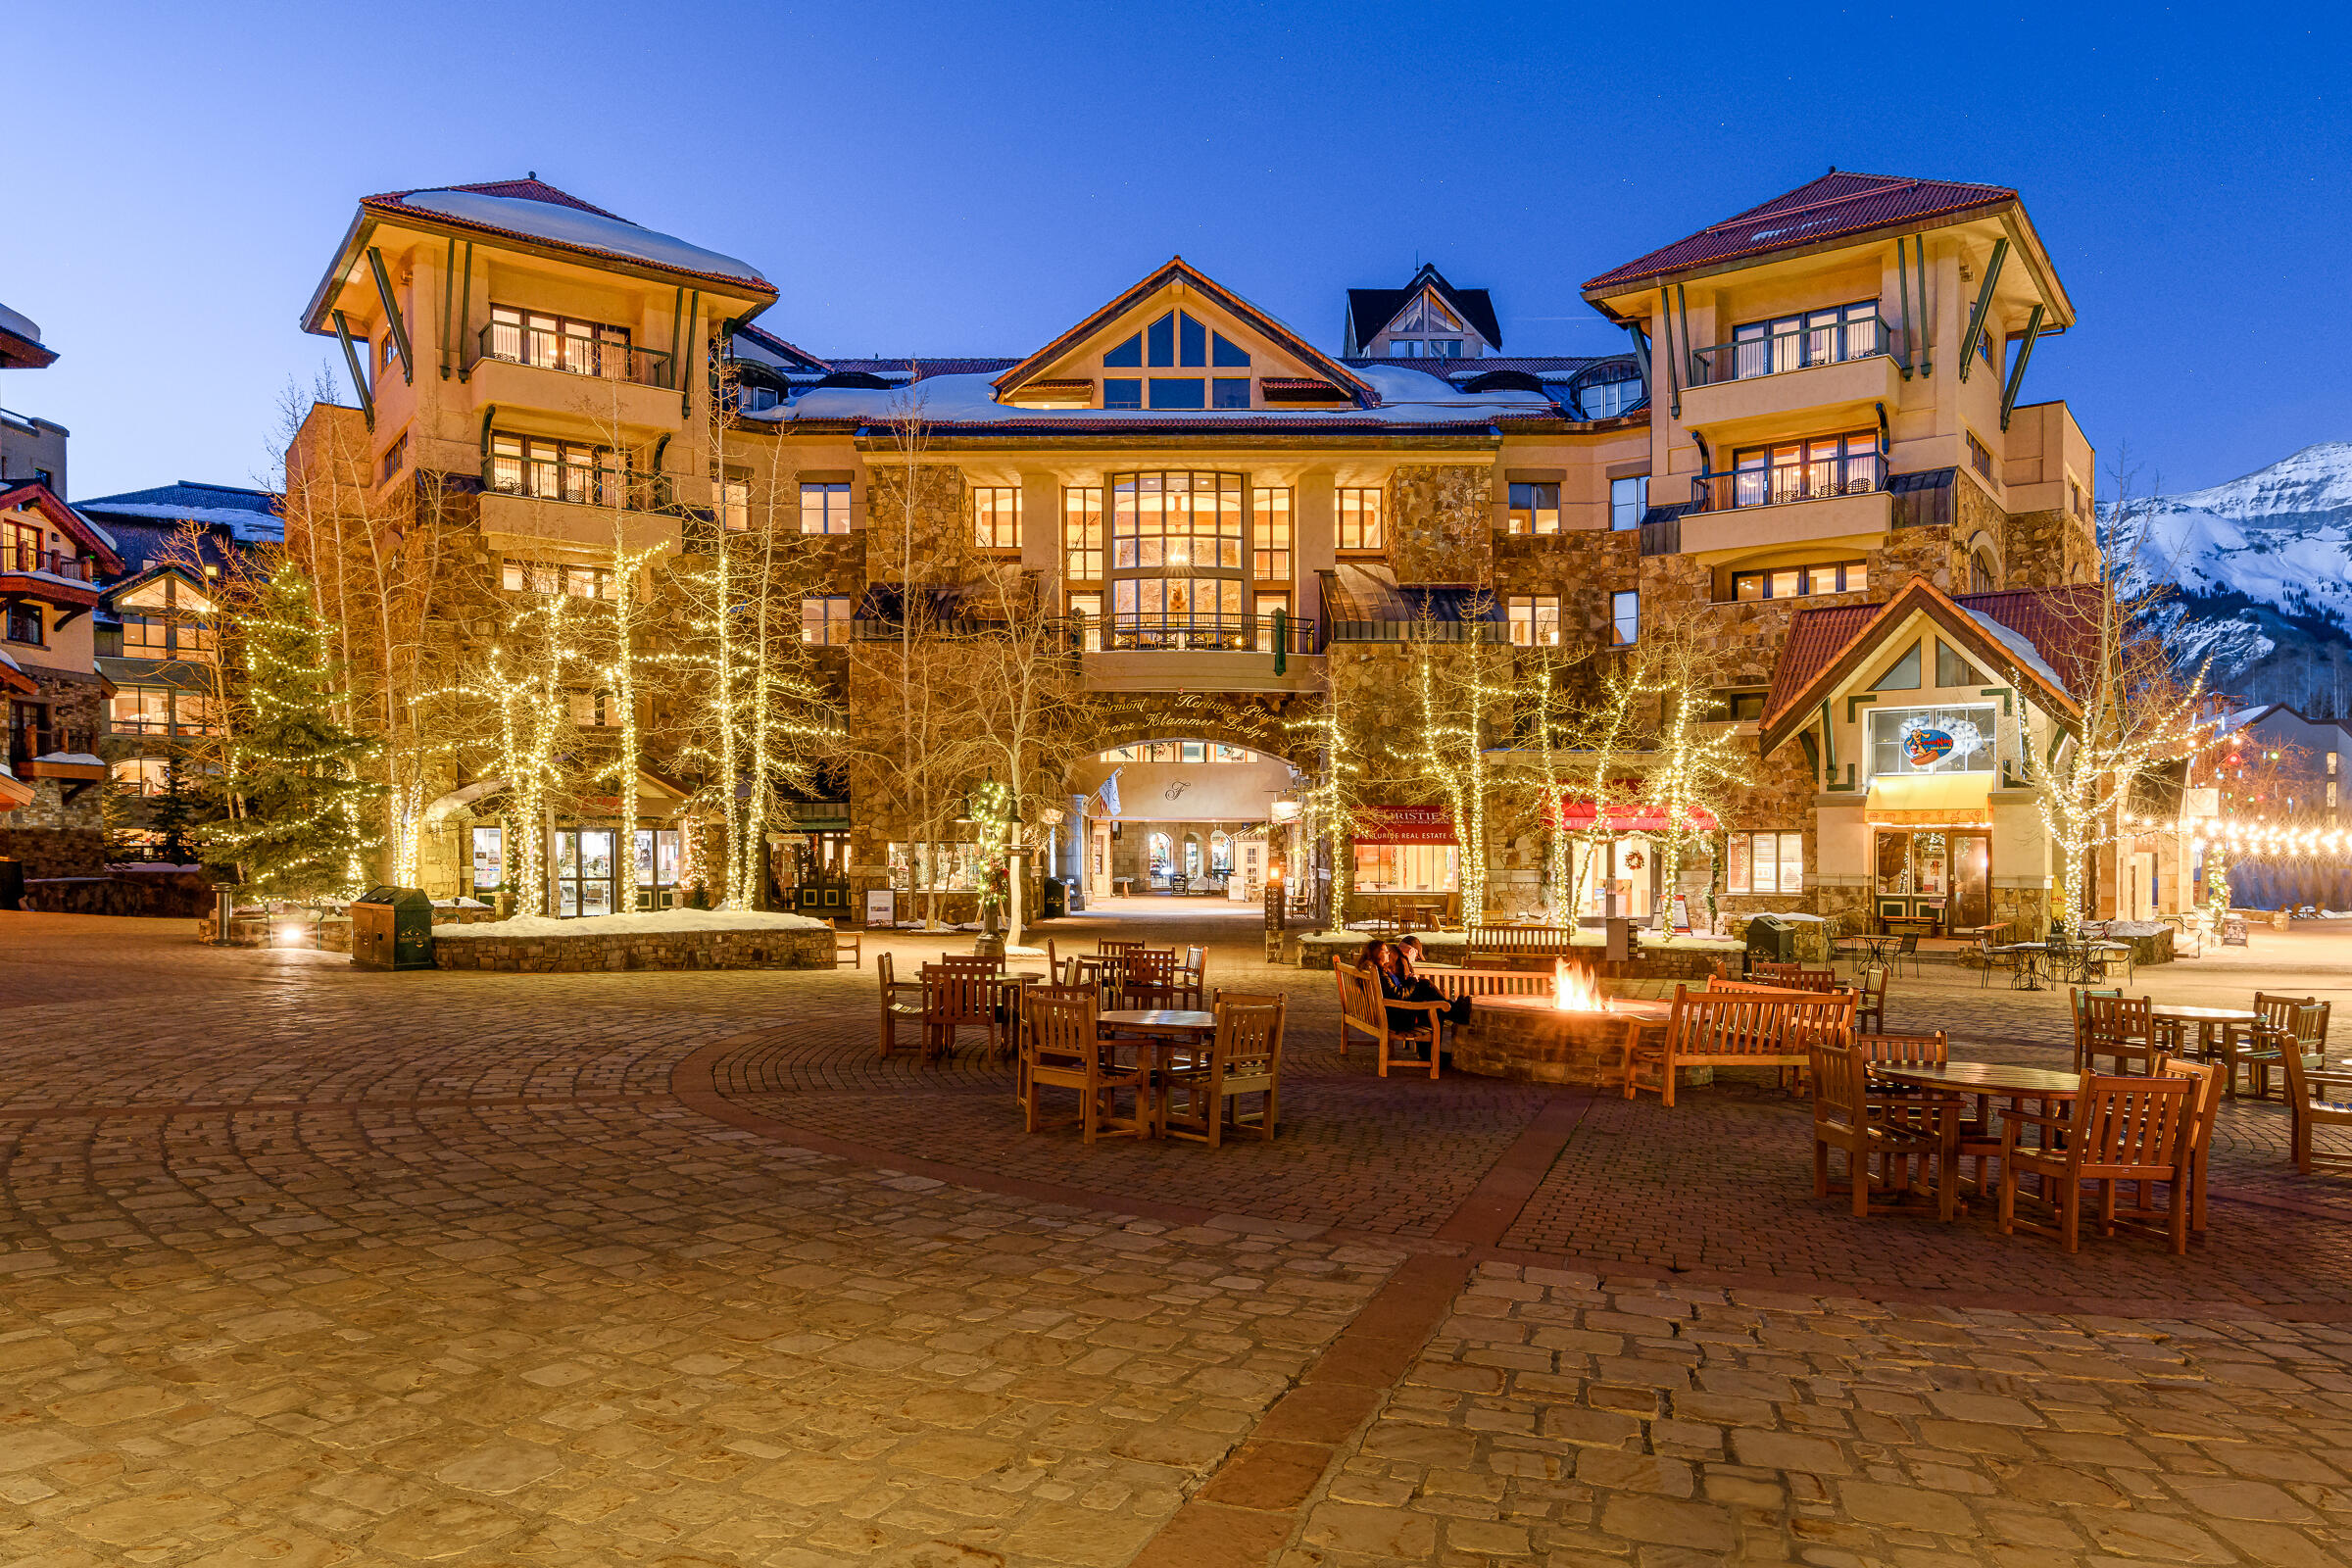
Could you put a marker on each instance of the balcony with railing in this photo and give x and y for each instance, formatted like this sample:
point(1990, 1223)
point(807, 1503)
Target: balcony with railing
point(1846, 363)
point(602, 355)
point(579, 484)
point(32, 561)
point(27, 745)
point(1786, 503)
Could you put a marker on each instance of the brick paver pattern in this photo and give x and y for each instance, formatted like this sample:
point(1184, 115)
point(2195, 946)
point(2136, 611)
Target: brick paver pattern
point(305, 1266)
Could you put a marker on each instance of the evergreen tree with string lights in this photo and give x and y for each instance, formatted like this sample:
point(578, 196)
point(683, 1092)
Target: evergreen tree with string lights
point(299, 830)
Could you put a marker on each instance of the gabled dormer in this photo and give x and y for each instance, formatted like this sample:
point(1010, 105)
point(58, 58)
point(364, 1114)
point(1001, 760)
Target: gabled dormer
point(1179, 342)
point(1427, 318)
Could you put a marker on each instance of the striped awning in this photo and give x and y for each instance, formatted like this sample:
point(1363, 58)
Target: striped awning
point(1930, 799)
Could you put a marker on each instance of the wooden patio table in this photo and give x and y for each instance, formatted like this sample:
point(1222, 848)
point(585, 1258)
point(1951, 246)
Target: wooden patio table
point(1163, 1031)
point(1982, 1081)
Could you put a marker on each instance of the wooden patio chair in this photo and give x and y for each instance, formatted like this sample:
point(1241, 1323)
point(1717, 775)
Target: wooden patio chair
point(2075, 999)
point(901, 1003)
point(2267, 1041)
point(1151, 980)
point(1108, 947)
point(1192, 978)
point(1060, 1050)
point(2121, 1029)
point(849, 947)
point(1848, 1116)
point(1976, 1138)
point(1105, 974)
point(1870, 1008)
point(1780, 974)
point(955, 995)
point(2315, 1096)
point(2206, 1076)
point(1244, 1057)
point(2121, 1129)
point(1364, 1010)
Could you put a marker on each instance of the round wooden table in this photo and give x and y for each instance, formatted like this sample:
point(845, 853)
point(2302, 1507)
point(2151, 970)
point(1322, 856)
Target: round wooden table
point(1983, 1078)
point(2207, 1019)
point(1163, 1031)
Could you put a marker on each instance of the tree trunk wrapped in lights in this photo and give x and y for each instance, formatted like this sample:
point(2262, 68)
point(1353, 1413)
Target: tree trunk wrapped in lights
point(1459, 676)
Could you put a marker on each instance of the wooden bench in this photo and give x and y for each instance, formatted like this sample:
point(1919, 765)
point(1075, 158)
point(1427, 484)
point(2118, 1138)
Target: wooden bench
point(1364, 1010)
point(1486, 981)
point(1513, 942)
point(1740, 1026)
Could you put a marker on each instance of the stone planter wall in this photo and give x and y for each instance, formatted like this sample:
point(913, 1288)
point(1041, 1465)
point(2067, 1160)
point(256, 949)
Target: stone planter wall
point(648, 950)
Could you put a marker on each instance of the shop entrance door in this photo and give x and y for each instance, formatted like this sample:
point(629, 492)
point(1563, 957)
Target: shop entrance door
point(1971, 881)
point(584, 873)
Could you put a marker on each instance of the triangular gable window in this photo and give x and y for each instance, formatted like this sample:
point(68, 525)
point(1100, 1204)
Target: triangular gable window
point(1178, 341)
point(1902, 675)
point(1954, 670)
point(1427, 313)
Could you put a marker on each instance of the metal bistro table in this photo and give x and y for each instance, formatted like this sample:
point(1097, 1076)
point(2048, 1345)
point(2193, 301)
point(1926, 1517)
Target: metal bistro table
point(1164, 1032)
point(2027, 976)
point(1876, 944)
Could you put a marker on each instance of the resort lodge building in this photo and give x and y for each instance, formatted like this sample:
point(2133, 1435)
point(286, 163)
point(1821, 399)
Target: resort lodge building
point(1810, 452)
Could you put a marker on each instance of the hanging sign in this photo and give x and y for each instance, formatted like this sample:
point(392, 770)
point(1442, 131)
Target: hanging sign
point(1924, 748)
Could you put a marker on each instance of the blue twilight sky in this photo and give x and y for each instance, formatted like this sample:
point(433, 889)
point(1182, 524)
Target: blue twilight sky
point(960, 178)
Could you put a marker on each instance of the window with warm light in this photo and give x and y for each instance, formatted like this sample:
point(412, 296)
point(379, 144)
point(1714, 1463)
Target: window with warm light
point(1270, 535)
point(1082, 532)
point(997, 516)
point(1359, 509)
point(824, 507)
point(1534, 619)
point(1535, 509)
point(825, 619)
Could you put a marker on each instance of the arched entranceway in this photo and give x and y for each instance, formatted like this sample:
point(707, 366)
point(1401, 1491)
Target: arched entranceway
point(1179, 815)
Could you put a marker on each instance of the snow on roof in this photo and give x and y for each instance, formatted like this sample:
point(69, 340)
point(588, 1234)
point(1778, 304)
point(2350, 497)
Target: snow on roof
point(249, 527)
point(1407, 397)
point(576, 227)
point(23, 325)
point(2019, 648)
point(8, 661)
point(72, 758)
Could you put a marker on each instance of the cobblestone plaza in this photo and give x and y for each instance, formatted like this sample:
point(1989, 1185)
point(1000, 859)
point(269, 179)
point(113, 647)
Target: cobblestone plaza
point(309, 1266)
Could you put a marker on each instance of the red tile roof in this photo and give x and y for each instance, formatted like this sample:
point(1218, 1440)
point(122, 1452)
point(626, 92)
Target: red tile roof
point(1836, 205)
point(2059, 624)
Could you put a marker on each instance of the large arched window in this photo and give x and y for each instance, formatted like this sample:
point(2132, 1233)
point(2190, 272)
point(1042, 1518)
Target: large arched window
point(1176, 560)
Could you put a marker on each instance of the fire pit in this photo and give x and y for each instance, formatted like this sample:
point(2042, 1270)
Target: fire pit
point(1574, 1036)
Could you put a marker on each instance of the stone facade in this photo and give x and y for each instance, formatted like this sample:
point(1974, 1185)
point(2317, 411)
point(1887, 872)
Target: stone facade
point(943, 528)
point(1439, 521)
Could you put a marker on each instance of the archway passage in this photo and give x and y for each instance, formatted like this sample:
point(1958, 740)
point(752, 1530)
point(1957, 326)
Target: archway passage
point(1181, 816)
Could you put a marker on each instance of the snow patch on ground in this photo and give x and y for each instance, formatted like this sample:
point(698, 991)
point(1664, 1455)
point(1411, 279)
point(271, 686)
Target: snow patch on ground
point(662, 921)
point(570, 226)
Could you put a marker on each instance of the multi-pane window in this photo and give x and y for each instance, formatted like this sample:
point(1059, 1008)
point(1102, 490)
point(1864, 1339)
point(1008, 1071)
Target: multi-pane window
point(1271, 610)
point(1229, 392)
point(1792, 583)
point(396, 456)
point(1605, 400)
point(1629, 499)
point(1177, 340)
point(549, 577)
point(997, 516)
point(141, 775)
point(1270, 535)
point(1359, 519)
point(194, 715)
point(1185, 520)
point(1082, 532)
point(1792, 342)
point(1806, 471)
point(555, 471)
point(824, 507)
point(1535, 619)
point(1176, 559)
point(1178, 392)
point(1625, 617)
point(1086, 616)
point(1765, 863)
point(1178, 752)
point(825, 619)
point(24, 622)
point(1738, 707)
point(556, 342)
point(146, 637)
point(1977, 457)
point(139, 711)
point(1424, 316)
point(1963, 737)
point(21, 548)
point(1535, 509)
point(595, 709)
point(735, 503)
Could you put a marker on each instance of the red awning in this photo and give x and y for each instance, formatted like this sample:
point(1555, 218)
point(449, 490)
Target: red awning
point(1403, 824)
point(1577, 815)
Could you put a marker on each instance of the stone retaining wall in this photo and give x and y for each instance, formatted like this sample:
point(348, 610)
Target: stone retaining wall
point(755, 949)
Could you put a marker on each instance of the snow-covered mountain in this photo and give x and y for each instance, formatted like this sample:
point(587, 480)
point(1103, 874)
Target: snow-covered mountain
point(2262, 572)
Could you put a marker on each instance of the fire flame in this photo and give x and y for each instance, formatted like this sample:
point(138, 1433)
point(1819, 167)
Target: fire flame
point(1574, 990)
